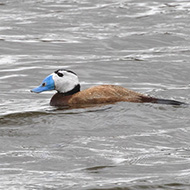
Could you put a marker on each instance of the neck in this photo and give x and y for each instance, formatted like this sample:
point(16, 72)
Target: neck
point(71, 92)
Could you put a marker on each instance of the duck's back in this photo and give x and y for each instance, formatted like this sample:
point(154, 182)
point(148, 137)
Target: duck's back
point(105, 94)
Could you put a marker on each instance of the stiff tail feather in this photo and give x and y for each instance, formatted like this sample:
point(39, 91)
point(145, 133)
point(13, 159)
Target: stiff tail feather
point(169, 102)
point(162, 101)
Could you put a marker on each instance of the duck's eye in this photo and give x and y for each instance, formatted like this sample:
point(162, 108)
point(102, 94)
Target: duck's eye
point(60, 74)
point(43, 84)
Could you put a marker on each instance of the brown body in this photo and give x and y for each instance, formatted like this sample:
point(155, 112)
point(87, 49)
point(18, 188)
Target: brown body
point(103, 94)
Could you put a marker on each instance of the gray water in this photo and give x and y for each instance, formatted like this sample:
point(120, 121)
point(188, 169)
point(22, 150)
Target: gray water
point(143, 45)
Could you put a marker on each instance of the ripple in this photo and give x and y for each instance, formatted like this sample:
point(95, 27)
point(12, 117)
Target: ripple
point(140, 45)
point(12, 76)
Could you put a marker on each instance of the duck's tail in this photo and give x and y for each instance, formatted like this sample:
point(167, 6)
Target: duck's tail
point(162, 101)
point(170, 102)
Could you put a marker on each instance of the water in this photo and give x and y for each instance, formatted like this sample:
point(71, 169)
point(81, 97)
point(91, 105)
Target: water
point(141, 45)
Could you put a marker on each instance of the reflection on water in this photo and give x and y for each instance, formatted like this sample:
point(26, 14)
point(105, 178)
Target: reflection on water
point(143, 46)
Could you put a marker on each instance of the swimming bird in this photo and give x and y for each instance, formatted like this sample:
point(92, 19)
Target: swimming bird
point(66, 83)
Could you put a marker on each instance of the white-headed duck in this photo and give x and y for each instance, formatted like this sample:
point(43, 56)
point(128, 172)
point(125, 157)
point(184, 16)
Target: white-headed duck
point(66, 83)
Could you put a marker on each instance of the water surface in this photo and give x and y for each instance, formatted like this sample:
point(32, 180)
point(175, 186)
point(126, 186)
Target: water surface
point(143, 46)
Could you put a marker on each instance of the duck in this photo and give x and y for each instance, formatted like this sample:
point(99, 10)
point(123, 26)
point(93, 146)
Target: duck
point(69, 93)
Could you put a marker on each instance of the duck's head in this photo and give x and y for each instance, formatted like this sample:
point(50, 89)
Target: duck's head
point(62, 80)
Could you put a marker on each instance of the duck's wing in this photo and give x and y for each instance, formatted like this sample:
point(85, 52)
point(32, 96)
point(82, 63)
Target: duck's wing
point(106, 94)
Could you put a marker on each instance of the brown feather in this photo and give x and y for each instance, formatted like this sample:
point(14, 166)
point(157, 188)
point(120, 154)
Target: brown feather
point(102, 94)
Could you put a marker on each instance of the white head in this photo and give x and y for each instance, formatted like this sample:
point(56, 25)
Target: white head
point(64, 81)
